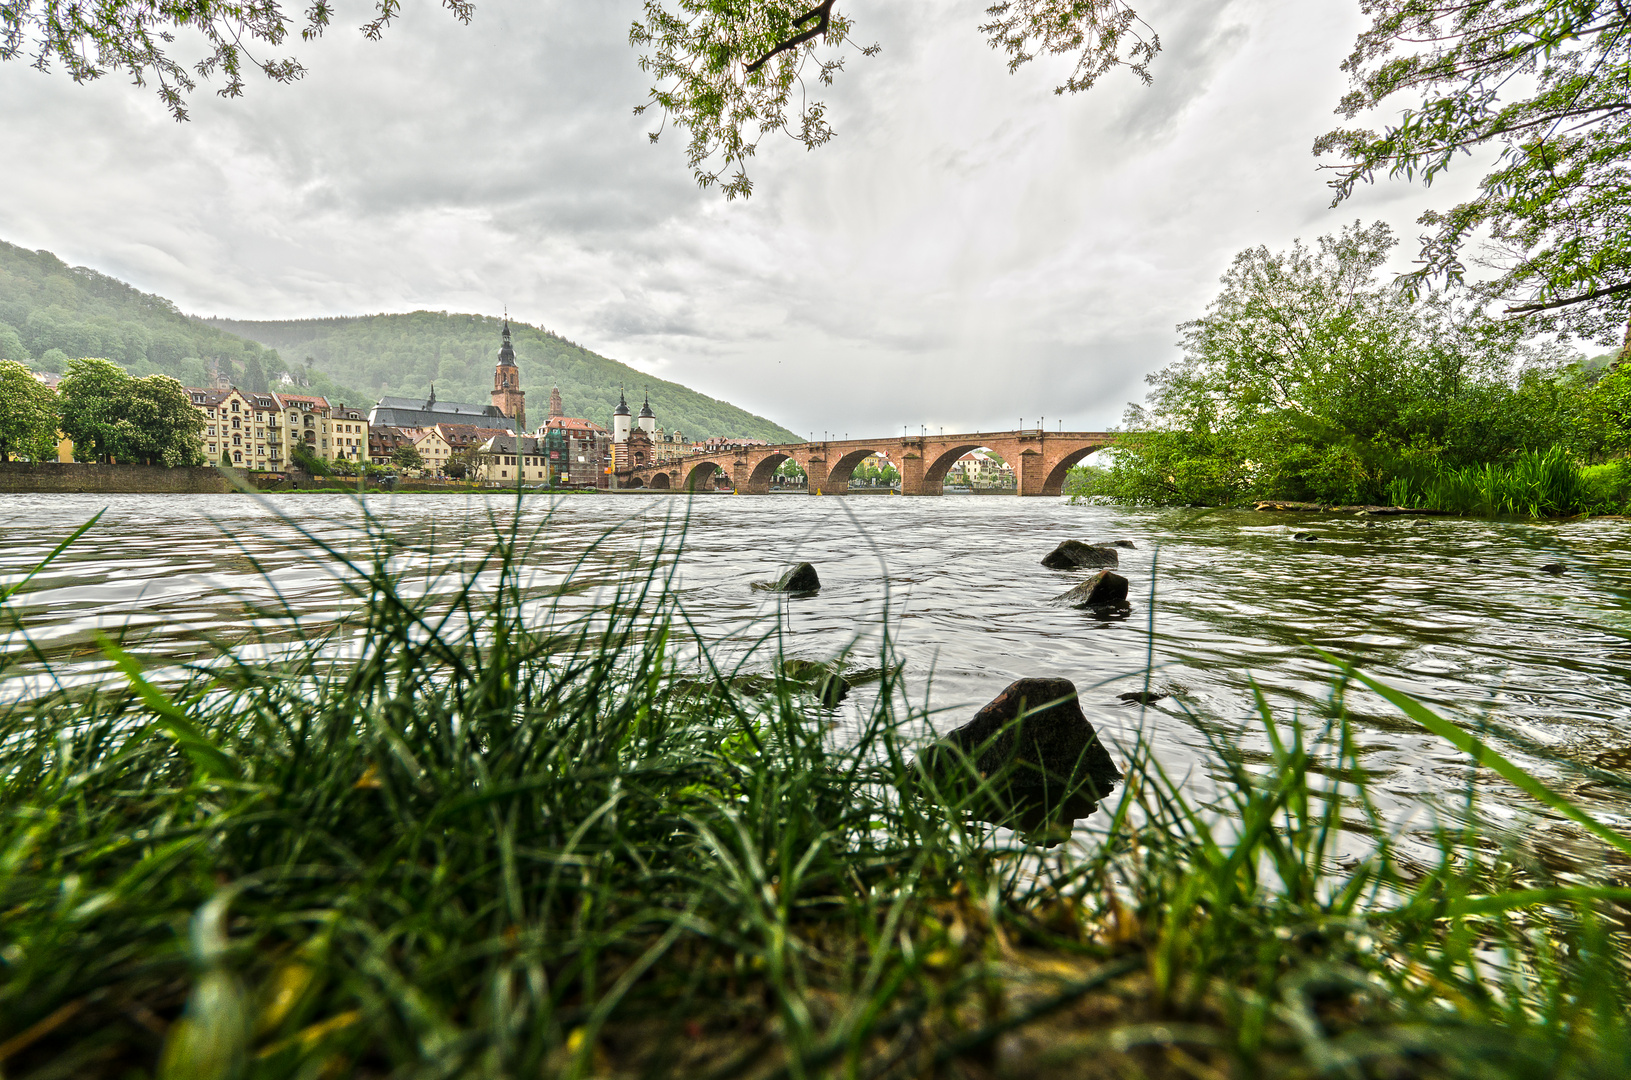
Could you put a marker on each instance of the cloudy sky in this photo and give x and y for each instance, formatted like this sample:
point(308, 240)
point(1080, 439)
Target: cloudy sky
point(970, 250)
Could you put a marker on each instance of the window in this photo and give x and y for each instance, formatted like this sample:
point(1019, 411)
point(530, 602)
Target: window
point(237, 440)
point(237, 455)
point(235, 424)
point(234, 406)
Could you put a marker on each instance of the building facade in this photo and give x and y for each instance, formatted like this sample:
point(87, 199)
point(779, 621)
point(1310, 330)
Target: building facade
point(260, 432)
point(577, 450)
point(512, 460)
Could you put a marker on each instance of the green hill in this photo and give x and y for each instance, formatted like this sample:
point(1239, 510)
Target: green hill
point(50, 312)
point(402, 355)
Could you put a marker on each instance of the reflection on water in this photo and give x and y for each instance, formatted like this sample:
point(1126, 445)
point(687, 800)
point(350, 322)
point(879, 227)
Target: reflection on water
point(1457, 613)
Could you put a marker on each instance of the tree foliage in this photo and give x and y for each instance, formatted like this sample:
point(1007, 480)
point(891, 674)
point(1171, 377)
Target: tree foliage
point(407, 457)
point(731, 73)
point(138, 38)
point(1548, 84)
point(1308, 377)
point(28, 415)
point(111, 416)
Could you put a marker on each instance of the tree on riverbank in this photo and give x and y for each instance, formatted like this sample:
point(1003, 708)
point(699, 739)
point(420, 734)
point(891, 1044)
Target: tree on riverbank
point(113, 417)
point(1547, 83)
point(1309, 377)
point(28, 415)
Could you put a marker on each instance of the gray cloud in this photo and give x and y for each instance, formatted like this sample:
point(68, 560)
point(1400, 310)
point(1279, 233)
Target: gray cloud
point(969, 250)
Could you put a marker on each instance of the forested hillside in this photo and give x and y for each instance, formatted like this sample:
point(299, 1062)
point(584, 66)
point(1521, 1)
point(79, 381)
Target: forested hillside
point(51, 312)
point(402, 355)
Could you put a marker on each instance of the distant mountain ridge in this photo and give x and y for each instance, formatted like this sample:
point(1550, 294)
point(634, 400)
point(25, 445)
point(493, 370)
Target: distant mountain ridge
point(51, 312)
point(405, 355)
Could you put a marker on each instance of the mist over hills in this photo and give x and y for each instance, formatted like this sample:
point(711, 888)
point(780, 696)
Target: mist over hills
point(51, 312)
point(403, 355)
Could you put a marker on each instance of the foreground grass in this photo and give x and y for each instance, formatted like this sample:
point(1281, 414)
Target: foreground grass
point(510, 841)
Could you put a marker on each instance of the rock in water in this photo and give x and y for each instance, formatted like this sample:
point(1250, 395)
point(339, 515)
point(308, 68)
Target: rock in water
point(1073, 555)
point(1553, 568)
point(1103, 590)
point(1305, 537)
point(1029, 759)
point(823, 678)
point(802, 578)
point(1116, 543)
point(1142, 697)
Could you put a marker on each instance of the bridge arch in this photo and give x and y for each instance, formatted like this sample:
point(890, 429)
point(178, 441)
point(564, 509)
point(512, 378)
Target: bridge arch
point(838, 476)
point(938, 468)
point(1055, 482)
point(759, 480)
point(660, 482)
point(700, 476)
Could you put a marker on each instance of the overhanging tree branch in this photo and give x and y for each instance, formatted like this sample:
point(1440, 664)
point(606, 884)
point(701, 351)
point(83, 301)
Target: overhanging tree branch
point(824, 10)
point(1528, 309)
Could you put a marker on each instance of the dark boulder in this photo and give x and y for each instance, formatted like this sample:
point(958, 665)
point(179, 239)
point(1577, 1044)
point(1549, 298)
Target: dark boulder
point(1029, 759)
point(1142, 697)
point(1117, 543)
point(1553, 568)
point(801, 579)
point(1073, 555)
point(1305, 537)
point(1103, 591)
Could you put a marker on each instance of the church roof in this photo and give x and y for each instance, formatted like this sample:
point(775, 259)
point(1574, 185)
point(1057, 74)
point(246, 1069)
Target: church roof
point(418, 412)
point(645, 410)
point(622, 405)
point(575, 423)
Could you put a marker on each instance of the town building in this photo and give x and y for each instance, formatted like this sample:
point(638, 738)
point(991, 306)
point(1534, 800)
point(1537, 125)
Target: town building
point(632, 443)
point(577, 450)
point(260, 432)
point(980, 469)
point(512, 460)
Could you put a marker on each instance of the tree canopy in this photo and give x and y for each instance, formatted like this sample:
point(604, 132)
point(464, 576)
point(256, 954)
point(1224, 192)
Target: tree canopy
point(28, 415)
point(1309, 377)
point(111, 416)
point(1546, 83)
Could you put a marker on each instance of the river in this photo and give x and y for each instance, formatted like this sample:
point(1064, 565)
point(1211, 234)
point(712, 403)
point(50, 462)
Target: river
point(1458, 613)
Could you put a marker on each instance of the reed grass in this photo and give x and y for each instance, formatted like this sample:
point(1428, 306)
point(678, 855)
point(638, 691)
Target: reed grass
point(1535, 483)
point(514, 839)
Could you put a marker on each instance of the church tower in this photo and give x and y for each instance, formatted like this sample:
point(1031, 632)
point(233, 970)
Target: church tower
point(508, 396)
point(648, 419)
point(556, 410)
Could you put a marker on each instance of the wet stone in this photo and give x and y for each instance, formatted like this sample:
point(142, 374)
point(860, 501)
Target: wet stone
point(1101, 592)
point(1073, 555)
point(801, 579)
point(1029, 759)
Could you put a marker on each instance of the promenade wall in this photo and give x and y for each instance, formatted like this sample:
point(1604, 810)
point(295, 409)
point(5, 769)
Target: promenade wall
point(18, 477)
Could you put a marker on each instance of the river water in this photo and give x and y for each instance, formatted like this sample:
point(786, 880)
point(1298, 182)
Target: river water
point(1457, 613)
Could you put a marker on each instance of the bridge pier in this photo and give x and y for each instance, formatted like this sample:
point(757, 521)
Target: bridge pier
point(911, 472)
point(815, 472)
point(1029, 472)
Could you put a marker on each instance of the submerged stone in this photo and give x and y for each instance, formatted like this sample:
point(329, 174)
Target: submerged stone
point(823, 678)
point(1073, 555)
point(1029, 759)
point(1142, 697)
point(1553, 568)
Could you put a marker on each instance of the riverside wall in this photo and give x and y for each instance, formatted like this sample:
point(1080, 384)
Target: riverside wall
point(50, 477)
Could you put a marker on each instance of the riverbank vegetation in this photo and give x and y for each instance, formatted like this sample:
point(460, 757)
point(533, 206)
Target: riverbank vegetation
point(467, 832)
point(1312, 378)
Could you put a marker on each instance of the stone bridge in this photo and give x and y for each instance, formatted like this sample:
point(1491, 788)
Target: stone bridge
point(1039, 459)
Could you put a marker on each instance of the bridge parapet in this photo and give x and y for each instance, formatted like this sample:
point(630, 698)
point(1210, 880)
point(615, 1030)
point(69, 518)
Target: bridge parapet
point(1040, 460)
